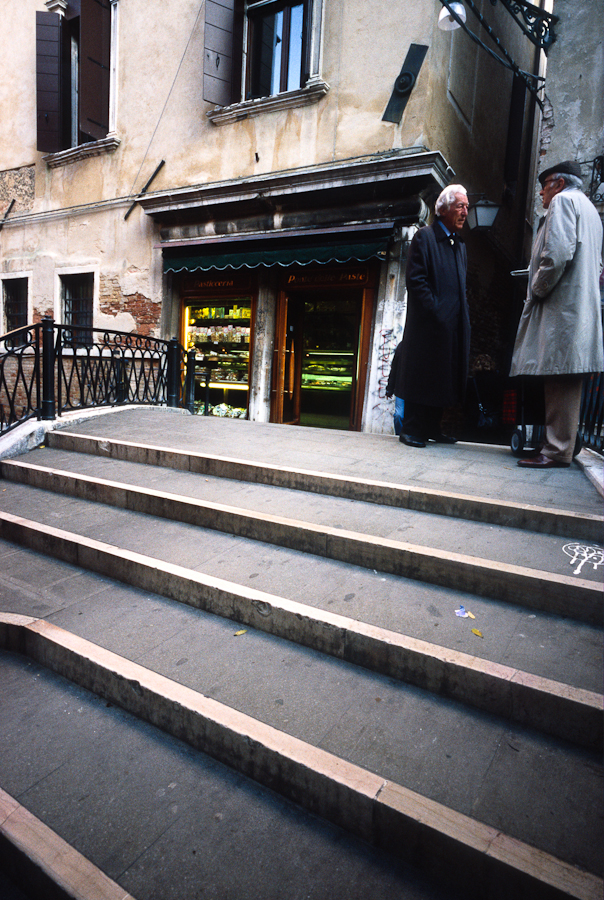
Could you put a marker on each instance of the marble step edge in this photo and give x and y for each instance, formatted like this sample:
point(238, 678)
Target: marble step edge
point(548, 706)
point(42, 864)
point(480, 509)
point(447, 845)
point(573, 597)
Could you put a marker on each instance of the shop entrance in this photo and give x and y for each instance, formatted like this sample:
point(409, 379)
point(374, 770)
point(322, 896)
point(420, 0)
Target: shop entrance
point(318, 351)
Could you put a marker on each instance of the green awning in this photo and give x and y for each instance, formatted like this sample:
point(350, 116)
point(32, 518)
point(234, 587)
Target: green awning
point(303, 254)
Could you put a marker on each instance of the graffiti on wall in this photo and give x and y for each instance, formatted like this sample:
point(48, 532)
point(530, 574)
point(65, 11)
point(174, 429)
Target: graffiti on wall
point(386, 348)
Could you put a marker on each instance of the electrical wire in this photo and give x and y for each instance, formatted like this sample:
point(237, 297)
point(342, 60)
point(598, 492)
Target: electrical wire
point(508, 62)
point(201, 6)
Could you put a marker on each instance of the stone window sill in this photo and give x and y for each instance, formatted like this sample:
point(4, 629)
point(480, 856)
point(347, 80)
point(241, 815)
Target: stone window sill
point(95, 148)
point(314, 90)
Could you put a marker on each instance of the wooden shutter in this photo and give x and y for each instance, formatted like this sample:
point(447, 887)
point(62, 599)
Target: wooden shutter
point(222, 52)
point(95, 43)
point(48, 82)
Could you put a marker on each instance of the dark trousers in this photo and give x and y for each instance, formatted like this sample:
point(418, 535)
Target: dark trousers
point(421, 421)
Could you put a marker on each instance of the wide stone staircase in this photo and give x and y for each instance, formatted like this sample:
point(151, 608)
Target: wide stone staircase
point(245, 660)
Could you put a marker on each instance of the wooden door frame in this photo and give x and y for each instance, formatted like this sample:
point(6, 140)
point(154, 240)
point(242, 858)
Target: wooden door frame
point(367, 285)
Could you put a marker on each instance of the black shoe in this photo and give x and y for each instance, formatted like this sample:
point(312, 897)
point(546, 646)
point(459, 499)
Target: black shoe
point(441, 438)
point(411, 441)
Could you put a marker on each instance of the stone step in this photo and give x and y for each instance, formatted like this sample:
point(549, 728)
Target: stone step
point(551, 647)
point(533, 588)
point(43, 864)
point(551, 707)
point(446, 503)
point(504, 742)
point(110, 793)
point(480, 860)
point(553, 553)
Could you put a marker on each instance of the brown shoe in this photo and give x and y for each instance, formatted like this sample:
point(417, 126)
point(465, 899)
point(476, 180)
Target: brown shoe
point(542, 462)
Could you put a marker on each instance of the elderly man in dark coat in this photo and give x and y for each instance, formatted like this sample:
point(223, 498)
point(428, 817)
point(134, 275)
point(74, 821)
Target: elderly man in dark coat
point(433, 367)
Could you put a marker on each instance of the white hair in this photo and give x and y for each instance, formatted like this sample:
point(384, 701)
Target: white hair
point(570, 181)
point(446, 198)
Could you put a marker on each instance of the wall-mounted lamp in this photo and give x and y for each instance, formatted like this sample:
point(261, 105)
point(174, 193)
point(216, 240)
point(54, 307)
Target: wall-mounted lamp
point(482, 215)
point(537, 24)
point(446, 22)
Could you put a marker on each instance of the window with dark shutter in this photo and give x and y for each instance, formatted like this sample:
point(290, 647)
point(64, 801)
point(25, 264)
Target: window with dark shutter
point(223, 52)
point(73, 72)
point(94, 59)
point(78, 294)
point(278, 47)
point(48, 81)
point(15, 307)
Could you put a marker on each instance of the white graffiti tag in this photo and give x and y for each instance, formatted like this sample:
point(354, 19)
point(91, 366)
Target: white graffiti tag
point(581, 554)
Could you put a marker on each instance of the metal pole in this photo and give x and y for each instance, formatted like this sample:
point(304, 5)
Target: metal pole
point(174, 385)
point(190, 382)
point(48, 368)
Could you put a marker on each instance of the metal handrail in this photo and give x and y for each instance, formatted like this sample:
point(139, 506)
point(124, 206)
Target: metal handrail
point(49, 368)
point(591, 420)
point(20, 376)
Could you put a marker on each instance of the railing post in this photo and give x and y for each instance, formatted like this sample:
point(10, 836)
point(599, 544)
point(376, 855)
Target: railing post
point(190, 382)
point(174, 386)
point(121, 393)
point(48, 368)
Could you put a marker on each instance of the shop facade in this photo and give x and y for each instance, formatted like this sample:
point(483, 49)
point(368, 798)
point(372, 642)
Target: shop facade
point(293, 300)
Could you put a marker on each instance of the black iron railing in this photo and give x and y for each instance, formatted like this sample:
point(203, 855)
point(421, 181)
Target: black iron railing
point(591, 422)
point(20, 393)
point(48, 369)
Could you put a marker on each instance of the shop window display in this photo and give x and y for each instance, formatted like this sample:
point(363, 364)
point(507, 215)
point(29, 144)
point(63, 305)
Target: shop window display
point(220, 336)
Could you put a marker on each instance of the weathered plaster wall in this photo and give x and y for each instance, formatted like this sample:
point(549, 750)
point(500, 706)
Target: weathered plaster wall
point(388, 329)
point(161, 115)
point(573, 123)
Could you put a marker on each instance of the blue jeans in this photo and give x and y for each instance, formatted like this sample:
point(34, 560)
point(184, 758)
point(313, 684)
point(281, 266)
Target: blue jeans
point(399, 412)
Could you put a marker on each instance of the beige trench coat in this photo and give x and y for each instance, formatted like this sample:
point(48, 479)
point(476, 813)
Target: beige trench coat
point(560, 330)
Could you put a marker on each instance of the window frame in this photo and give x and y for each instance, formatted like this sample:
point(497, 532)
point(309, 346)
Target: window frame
point(22, 277)
point(227, 47)
point(60, 135)
point(65, 279)
point(256, 12)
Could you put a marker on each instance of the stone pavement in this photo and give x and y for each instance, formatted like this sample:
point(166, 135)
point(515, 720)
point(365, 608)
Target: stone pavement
point(175, 823)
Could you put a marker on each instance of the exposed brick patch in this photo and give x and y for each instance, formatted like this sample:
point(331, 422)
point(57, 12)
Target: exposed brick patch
point(145, 312)
point(17, 185)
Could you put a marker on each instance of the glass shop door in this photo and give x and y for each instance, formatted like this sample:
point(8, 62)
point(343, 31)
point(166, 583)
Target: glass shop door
point(316, 357)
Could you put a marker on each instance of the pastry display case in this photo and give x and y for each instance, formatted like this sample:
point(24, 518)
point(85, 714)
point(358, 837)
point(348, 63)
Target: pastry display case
point(324, 370)
point(220, 336)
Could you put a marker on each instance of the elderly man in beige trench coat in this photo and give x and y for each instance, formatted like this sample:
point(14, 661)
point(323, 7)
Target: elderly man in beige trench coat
point(560, 331)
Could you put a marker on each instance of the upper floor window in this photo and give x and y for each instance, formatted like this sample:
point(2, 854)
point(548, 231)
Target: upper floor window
point(277, 47)
point(260, 49)
point(73, 72)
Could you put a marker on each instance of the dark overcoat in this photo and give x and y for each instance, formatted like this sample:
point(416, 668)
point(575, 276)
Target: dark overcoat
point(436, 341)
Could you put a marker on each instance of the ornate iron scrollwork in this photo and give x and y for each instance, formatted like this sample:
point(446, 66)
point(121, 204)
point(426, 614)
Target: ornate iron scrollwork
point(537, 24)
